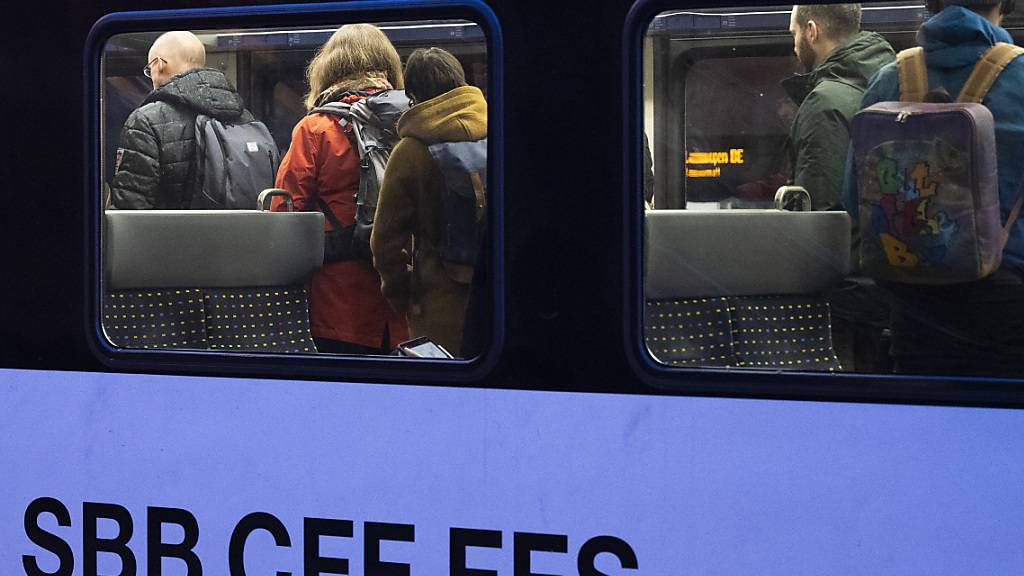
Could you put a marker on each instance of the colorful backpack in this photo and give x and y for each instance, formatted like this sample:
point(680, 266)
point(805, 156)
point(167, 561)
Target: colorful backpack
point(928, 186)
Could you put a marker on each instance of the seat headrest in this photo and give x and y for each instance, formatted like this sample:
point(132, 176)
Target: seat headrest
point(211, 248)
point(692, 253)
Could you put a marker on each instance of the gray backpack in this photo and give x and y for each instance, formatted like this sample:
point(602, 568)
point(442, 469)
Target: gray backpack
point(373, 121)
point(234, 162)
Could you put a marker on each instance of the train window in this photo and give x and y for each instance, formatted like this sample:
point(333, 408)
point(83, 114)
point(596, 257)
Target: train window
point(313, 190)
point(750, 253)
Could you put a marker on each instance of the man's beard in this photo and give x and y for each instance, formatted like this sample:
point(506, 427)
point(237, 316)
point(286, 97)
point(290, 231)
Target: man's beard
point(805, 54)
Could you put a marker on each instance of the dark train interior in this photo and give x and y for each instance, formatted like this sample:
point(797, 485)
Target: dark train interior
point(247, 254)
point(268, 68)
point(712, 82)
point(728, 281)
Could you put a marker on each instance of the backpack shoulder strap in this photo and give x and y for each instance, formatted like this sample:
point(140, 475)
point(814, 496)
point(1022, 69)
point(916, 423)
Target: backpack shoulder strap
point(913, 74)
point(197, 167)
point(1011, 218)
point(987, 70)
point(329, 214)
point(339, 109)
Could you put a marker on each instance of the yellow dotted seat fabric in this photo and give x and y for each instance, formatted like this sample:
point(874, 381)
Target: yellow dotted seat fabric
point(258, 320)
point(772, 332)
point(155, 319)
point(238, 319)
point(690, 332)
point(785, 332)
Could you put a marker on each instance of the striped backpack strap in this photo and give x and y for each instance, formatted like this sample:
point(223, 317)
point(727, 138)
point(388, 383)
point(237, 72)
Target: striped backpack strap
point(987, 70)
point(913, 74)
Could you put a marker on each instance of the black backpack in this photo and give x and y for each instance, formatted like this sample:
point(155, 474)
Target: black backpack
point(234, 162)
point(373, 122)
point(463, 168)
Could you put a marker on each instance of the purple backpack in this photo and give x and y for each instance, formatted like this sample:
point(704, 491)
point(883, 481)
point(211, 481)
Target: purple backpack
point(928, 187)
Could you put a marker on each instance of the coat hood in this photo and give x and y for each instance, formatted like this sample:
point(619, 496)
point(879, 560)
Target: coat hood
point(956, 37)
point(205, 90)
point(458, 115)
point(852, 63)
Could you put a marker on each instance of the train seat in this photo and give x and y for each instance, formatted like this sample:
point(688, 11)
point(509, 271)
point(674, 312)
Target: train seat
point(743, 288)
point(210, 279)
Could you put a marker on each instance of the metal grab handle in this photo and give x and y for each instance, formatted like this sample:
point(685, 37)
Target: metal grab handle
point(261, 201)
point(793, 198)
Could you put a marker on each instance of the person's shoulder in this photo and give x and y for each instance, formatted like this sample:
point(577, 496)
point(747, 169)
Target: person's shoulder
point(1005, 92)
point(411, 149)
point(157, 112)
point(145, 116)
point(828, 97)
point(887, 72)
point(886, 79)
point(835, 92)
point(883, 86)
point(1012, 78)
point(1016, 68)
point(410, 157)
point(317, 122)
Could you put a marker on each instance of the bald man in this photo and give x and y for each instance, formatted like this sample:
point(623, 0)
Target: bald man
point(174, 53)
point(154, 166)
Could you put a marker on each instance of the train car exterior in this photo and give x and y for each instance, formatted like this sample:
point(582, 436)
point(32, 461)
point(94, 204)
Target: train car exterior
point(570, 445)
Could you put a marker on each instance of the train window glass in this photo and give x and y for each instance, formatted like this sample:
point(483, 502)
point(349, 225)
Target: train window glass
point(191, 262)
point(742, 269)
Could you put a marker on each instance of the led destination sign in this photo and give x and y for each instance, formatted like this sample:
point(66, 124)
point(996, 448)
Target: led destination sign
point(709, 164)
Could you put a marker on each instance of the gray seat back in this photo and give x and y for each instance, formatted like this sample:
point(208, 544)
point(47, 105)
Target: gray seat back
point(211, 248)
point(743, 288)
point(693, 253)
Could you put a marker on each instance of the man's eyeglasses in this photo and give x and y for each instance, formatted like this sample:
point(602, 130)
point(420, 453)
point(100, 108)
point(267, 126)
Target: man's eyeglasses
point(148, 70)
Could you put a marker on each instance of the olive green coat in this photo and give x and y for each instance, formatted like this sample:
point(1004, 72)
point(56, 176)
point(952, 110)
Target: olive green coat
point(409, 213)
point(828, 97)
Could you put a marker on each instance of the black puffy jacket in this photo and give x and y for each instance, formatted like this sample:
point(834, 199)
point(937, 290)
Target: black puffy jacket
point(157, 148)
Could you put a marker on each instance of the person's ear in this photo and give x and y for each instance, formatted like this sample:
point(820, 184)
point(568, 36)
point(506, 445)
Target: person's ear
point(158, 67)
point(812, 31)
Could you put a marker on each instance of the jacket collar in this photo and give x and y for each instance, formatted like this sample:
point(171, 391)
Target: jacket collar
point(852, 63)
point(458, 115)
point(205, 90)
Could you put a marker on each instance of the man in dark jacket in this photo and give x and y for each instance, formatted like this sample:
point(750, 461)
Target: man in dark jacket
point(154, 166)
point(838, 60)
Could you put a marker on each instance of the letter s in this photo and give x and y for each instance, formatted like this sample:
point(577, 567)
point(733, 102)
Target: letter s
point(46, 540)
point(599, 544)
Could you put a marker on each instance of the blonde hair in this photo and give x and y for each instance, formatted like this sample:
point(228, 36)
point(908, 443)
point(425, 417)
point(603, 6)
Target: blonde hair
point(355, 53)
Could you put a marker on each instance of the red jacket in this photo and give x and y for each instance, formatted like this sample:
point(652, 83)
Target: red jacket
point(345, 302)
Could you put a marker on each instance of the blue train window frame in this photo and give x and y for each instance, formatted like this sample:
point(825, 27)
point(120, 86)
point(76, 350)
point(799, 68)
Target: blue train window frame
point(326, 366)
point(746, 382)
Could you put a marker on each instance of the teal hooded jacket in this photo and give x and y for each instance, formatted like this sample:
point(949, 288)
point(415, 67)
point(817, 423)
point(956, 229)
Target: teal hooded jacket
point(953, 40)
